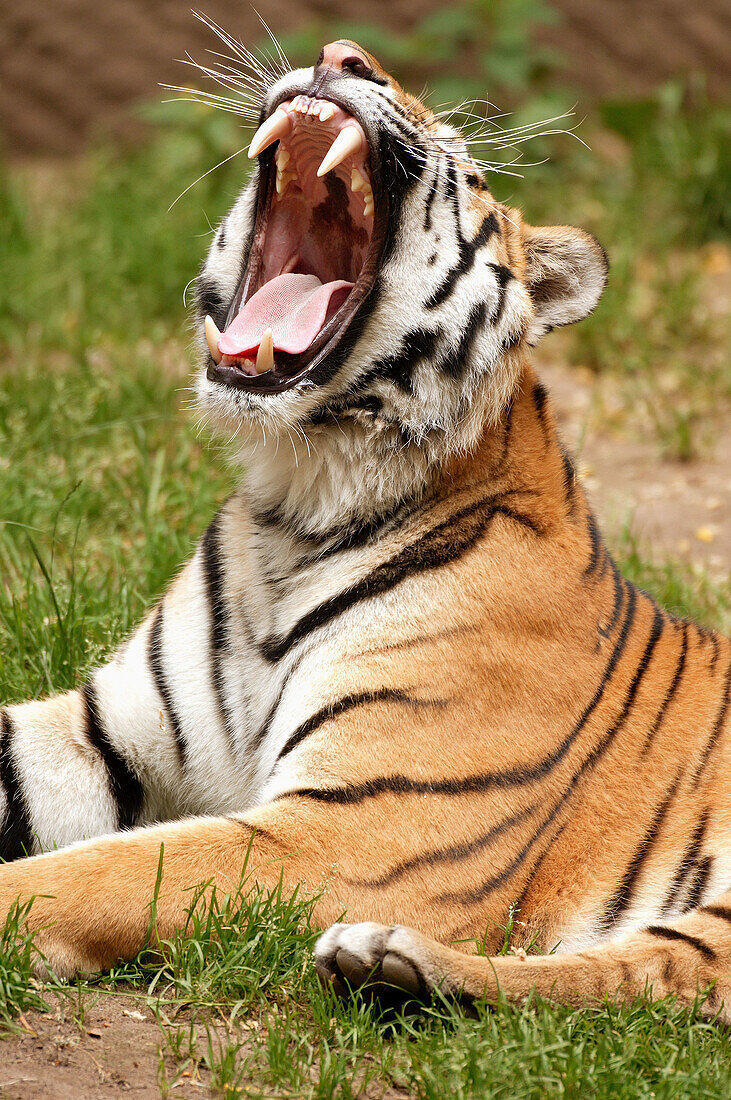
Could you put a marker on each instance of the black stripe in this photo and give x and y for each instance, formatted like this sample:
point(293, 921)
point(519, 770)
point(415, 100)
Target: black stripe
point(356, 535)
point(716, 731)
point(263, 730)
point(521, 518)
point(520, 902)
point(360, 533)
point(569, 479)
point(350, 702)
point(498, 879)
point(467, 253)
point(479, 893)
point(698, 884)
point(451, 854)
point(398, 367)
point(503, 275)
point(123, 781)
point(618, 582)
point(155, 657)
point(456, 361)
point(716, 650)
point(443, 544)
point(212, 560)
point(540, 399)
point(621, 899)
point(476, 182)
point(609, 735)
point(450, 189)
point(720, 911)
point(596, 544)
point(512, 777)
point(682, 937)
point(210, 301)
point(688, 861)
point(669, 694)
point(16, 838)
point(431, 195)
point(607, 738)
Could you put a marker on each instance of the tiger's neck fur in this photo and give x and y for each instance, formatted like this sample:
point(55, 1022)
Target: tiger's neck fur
point(344, 479)
point(362, 470)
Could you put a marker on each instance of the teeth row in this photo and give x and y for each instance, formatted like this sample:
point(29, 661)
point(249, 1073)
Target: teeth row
point(347, 143)
point(359, 183)
point(264, 356)
point(284, 177)
point(319, 108)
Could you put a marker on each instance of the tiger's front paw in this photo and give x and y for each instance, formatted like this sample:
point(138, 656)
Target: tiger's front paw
point(369, 954)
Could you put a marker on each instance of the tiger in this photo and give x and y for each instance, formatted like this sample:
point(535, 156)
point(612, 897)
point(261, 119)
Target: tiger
point(401, 672)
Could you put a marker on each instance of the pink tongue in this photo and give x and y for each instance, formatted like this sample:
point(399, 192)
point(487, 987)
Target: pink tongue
point(294, 307)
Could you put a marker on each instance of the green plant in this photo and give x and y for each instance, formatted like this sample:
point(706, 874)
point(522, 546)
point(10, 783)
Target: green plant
point(19, 991)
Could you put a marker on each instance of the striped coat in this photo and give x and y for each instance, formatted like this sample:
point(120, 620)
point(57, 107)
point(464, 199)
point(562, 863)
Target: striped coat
point(401, 668)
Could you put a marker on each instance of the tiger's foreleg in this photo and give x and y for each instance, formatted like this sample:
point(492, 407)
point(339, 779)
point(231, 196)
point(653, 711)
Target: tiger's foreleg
point(683, 957)
point(93, 903)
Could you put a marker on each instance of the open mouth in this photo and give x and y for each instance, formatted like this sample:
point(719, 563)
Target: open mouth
point(318, 236)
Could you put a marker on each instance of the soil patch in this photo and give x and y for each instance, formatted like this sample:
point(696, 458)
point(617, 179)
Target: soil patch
point(114, 1051)
point(677, 510)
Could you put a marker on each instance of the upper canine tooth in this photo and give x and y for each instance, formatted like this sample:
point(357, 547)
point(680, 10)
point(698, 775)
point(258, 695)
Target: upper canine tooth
point(346, 143)
point(212, 335)
point(265, 354)
point(270, 130)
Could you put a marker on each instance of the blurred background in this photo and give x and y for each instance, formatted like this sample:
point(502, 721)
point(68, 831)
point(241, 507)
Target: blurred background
point(105, 477)
point(72, 67)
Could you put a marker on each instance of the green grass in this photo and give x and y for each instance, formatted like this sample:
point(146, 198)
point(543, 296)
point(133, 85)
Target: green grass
point(239, 1006)
point(104, 486)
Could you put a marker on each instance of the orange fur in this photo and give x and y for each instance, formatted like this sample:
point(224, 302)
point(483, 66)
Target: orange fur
point(542, 739)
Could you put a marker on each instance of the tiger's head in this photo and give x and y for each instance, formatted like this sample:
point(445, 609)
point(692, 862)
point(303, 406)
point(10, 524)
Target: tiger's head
point(369, 300)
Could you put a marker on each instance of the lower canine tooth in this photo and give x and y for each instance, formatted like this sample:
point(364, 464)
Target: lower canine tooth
point(265, 354)
point(212, 335)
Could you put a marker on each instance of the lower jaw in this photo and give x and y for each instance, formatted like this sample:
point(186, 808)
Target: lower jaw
point(292, 370)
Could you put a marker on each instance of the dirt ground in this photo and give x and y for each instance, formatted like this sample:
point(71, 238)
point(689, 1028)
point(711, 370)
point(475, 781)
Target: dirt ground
point(71, 67)
point(113, 1052)
point(678, 510)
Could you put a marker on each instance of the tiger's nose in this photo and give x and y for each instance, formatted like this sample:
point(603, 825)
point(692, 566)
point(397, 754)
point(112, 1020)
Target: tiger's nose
point(342, 55)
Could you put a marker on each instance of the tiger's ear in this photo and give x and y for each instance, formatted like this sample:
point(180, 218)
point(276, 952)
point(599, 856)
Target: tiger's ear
point(565, 272)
